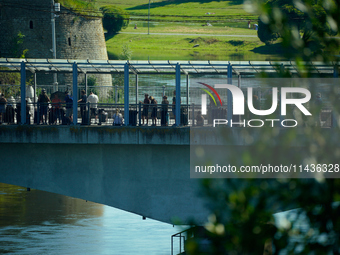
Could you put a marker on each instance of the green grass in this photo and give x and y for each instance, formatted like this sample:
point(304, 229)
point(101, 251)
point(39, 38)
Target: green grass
point(186, 17)
point(82, 7)
point(190, 28)
point(184, 10)
point(155, 47)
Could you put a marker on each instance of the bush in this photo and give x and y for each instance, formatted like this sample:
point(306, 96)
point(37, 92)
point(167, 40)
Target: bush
point(265, 34)
point(114, 18)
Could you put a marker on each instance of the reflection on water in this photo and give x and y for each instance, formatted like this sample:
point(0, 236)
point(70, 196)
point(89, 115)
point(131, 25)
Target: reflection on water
point(38, 222)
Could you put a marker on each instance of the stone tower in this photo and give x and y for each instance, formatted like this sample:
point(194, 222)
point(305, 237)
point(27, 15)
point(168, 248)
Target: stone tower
point(77, 37)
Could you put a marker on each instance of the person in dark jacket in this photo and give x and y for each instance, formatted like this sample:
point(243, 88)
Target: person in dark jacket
point(3, 102)
point(153, 110)
point(69, 107)
point(43, 101)
point(145, 113)
point(164, 112)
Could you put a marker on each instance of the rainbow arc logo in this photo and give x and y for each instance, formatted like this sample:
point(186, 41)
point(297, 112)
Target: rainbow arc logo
point(204, 97)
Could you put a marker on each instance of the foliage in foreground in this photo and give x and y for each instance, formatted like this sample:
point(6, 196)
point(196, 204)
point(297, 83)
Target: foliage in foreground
point(242, 210)
point(307, 20)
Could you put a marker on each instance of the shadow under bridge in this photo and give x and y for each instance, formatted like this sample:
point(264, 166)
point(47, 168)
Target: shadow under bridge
point(140, 170)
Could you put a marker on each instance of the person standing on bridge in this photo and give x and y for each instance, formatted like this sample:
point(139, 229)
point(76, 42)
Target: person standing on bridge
point(56, 105)
point(69, 107)
point(117, 118)
point(93, 100)
point(145, 113)
point(154, 110)
point(164, 112)
point(174, 105)
point(82, 102)
point(199, 119)
point(3, 102)
point(43, 101)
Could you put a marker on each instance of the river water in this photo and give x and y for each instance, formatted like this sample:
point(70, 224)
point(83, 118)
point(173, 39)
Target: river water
point(37, 222)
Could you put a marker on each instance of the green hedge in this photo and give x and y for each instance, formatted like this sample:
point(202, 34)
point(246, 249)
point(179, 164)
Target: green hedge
point(114, 18)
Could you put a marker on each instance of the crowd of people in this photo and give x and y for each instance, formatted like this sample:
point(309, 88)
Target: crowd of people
point(150, 106)
point(151, 103)
point(54, 109)
point(58, 109)
point(9, 108)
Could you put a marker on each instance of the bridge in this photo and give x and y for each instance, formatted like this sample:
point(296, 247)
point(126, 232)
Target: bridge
point(143, 170)
point(232, 70)
point(140, 170)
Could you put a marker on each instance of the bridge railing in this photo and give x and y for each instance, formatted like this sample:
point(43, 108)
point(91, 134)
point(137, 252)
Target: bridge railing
point(101, 114)
point(181, 237)
point(146, 115)
point(197, 235)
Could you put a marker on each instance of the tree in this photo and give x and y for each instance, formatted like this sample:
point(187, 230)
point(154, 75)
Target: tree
point(241, 219)
point(265, 34)
point(10, 78)
point(114, 19)
point(17, 42)
point(302, 19)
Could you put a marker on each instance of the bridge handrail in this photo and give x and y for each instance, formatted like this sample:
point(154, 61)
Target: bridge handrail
point(179, 234)
point(140, 114)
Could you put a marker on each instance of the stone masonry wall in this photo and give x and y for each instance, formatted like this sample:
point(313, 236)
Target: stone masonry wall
point(76, 37)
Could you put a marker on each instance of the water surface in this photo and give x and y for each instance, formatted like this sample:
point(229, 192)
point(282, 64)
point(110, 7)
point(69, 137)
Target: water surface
point(37, 222)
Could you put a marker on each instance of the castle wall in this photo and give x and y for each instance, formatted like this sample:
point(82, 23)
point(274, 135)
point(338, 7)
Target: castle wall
point(76, 37)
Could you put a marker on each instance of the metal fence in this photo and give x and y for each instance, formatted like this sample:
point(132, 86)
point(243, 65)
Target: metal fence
point(132, 80)
point(160, 115)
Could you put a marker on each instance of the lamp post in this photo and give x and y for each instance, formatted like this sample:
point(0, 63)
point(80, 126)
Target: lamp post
point(149, 19)
point(55, 7)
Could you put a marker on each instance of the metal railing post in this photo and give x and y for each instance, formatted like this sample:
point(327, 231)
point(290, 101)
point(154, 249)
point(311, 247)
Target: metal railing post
point(75, 92)
point(137, 88)
point(126, 94)
point(229, 96)
point(335, 71)
point(172, 244)
point(178, 95)
point(193, 114)
point(86, 84)
point(180, 243)
point(23, 92)
point(116, 95)
point(35, 88)
point(140, 113)
point(334, 121)
point(38, 113)
point(88, 114)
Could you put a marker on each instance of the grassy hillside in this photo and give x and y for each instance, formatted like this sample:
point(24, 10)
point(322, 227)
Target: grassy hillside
point(82, 7)
point(184, 10)
point(157, 47)
point(185, 19)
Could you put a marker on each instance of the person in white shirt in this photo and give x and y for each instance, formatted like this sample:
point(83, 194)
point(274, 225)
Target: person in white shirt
point(117, 118)
point(93, 100)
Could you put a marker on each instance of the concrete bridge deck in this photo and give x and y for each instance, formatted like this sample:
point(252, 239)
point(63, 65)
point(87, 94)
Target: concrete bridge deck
point(140, 170)
point(144, 170)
